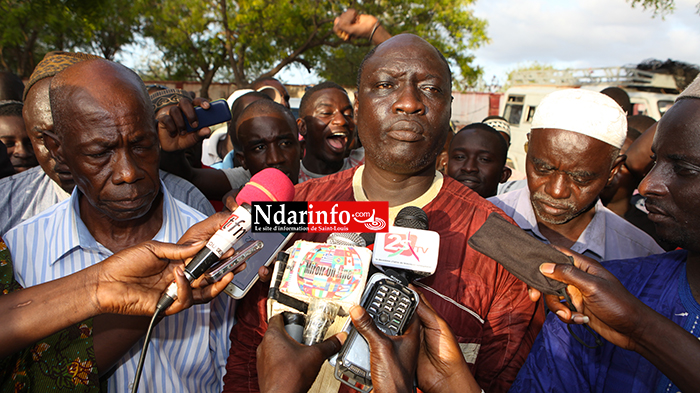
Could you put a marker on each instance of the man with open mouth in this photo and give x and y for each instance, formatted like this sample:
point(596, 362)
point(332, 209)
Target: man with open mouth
point(326, 122)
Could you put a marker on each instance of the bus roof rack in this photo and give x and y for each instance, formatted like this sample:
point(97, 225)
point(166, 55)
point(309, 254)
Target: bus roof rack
point(608, 76)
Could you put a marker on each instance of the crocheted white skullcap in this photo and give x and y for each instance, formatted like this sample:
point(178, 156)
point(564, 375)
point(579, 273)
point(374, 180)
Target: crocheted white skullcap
point(583, 111)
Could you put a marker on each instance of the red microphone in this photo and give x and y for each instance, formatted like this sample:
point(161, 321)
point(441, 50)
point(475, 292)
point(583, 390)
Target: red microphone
point(268, 185)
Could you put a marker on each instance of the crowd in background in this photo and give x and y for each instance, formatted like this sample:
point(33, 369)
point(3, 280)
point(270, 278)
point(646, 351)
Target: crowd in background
point(105, 193)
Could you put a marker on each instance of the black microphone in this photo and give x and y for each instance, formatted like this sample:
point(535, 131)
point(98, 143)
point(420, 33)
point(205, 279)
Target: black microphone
point(412, 217)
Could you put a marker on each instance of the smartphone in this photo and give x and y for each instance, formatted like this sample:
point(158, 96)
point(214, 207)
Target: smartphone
point(391, 306)
point(234, 261)
point(273, 243)
point(218, 112)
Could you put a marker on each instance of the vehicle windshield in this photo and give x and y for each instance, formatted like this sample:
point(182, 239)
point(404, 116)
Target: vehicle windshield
point(664, 105)
point(514, 109)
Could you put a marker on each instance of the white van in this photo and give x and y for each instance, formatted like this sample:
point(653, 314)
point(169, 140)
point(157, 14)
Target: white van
point(650, 93)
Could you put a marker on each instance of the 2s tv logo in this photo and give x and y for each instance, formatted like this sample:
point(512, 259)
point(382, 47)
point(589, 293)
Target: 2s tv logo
point(403, 244)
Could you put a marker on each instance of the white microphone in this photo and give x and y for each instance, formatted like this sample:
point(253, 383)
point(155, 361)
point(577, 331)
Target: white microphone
point(270, 184)
point(408, 247)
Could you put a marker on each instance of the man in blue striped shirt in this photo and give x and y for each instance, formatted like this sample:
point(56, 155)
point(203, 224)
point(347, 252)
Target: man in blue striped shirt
point(104, 130)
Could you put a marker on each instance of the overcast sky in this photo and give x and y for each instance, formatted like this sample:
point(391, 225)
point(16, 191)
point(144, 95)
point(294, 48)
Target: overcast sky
point(583, 33)
point(561, 33)
point(574, 34)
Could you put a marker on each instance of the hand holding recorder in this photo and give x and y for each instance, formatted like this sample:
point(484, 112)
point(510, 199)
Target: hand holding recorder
point(129, 282)
point(181, 126)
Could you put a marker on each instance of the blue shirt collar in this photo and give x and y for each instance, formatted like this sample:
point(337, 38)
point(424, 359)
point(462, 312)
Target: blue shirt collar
point(70, 222)
point(591, 240)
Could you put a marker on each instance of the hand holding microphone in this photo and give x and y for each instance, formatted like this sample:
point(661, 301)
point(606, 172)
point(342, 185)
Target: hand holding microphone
point(131, 281)
point(267, 185)
point(393, 358)
point(285, 365)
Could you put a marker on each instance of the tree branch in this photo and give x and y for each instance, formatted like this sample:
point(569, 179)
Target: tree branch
point(293, 57)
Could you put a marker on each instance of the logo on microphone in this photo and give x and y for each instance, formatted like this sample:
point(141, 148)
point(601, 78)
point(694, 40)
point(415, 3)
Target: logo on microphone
point(403, 244)
point(316, 216)
point(407, 248)
point(330, 272)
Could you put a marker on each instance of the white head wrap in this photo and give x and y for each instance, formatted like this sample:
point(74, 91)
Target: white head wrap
point(267, 90)
point(692, 91)
point(583, 111)
point(210, 155)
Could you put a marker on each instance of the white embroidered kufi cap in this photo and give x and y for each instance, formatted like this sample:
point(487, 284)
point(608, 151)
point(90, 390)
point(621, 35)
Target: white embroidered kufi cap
point(583, 111)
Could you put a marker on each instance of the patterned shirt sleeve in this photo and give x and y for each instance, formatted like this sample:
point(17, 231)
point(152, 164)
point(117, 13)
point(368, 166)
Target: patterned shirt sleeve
point(64, 361)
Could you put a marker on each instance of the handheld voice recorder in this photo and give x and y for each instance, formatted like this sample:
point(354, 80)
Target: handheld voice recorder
point(391, 305)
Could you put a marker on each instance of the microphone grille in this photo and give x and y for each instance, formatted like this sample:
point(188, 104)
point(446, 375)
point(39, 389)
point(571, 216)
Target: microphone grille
point(346, 239)
point(270, 184)
point(412, 217)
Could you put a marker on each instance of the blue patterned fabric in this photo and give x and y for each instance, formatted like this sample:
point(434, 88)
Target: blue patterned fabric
point(558, 363)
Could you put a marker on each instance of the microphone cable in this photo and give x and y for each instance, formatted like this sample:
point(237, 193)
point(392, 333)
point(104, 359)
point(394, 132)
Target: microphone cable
point(147, 340)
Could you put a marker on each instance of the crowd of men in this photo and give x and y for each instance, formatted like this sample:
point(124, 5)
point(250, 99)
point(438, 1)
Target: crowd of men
point(105, 197)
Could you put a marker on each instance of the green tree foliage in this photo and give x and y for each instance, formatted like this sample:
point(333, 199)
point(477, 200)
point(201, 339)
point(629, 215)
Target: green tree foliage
point(189, 34)
point(110, 25)
point(257, 38)
point(238, 39)
point(31, 28)
point(659, 7)
point(448, 24)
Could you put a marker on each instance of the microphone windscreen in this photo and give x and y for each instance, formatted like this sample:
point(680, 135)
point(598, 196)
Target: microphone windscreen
point(520, 253)
point(346, 239)
point(412, 217)
point(268, 185)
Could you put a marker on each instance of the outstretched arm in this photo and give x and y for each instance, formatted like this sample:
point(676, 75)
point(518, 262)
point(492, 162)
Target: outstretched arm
point(350, 25)
point(130, 282)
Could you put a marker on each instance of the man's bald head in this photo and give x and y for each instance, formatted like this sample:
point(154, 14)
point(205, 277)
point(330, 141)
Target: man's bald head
point(269, 138)
point(266, 108)
point(95, 82)
point(37, 111)
point(105, 132)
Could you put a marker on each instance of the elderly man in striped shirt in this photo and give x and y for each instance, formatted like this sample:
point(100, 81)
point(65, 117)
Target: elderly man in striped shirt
point(104, 130)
